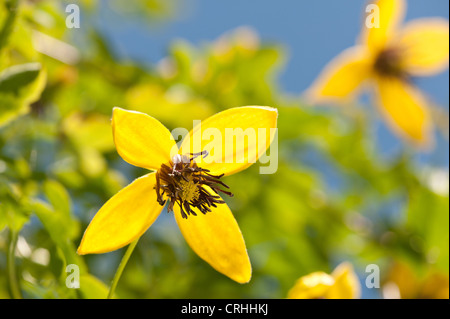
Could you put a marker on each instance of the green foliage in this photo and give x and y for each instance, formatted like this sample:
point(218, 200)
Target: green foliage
point(20, 85)
point(333, 197)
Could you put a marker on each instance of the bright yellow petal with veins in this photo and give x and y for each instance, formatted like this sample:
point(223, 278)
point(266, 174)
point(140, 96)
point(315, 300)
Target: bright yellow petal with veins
point(425, 46)
point(123, 218)
point(313, 286)
point(341, 78)
point(405, 110)
point(391, 14)
point(346, 285)
point(235, 138)
point(141, 140)
point(216, 238)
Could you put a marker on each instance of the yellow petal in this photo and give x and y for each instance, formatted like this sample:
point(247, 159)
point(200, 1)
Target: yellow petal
point(435, 286)
point(216, 238)
point(425, 46)
point(235, 138)
point(141, 140)
point(313, 286)
point(391, 14)
point(405, 110)
point(340, 79)
point(346, 285)
point(402, 277)
point(123, 218)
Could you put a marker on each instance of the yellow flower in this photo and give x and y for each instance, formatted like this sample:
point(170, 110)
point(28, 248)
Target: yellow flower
point(386, 57)
point(402, 282)
point(341, 284)
point(190, 184)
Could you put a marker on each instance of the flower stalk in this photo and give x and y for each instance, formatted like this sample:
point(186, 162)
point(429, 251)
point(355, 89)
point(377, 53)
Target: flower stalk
point(11, 269)
point(121, 267)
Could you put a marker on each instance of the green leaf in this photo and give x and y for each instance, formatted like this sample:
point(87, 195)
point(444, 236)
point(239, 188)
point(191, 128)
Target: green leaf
point(17, 77)
point(12, 216)
point(8, 24)
point(12, 213)
point(60, 229)
point(58, 197)
point(92, 288)
point(10, 108)
point(428, 217)
point(20, 85)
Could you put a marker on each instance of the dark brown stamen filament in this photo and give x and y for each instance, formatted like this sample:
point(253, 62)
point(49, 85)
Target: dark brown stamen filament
point(183, 182)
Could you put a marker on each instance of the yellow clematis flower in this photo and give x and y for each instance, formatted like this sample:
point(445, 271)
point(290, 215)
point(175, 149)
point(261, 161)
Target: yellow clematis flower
point(385, 58)
point(343, 283)
point(402, 282)
point(190, 185)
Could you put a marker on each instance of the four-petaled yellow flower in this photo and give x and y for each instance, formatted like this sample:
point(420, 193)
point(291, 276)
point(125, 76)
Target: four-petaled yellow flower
point(343, 283)
point(386, 57)
point(191, 186)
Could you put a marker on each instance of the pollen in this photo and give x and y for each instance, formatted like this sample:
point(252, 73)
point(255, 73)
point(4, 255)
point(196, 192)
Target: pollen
point(189, 190)
point(183, 182)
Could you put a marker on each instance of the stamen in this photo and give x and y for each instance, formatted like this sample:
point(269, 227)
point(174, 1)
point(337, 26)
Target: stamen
point(388, 63)
point(204, 153)
point(183, 182)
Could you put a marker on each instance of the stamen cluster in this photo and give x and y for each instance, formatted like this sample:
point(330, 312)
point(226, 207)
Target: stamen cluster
point(388, 63)
point(182, 181)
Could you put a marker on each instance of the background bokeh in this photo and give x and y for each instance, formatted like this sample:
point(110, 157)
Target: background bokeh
point(309, 33)
point(347, 189)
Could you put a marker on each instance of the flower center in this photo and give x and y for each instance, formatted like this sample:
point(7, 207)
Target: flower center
point(182, 181)
point(388, 63)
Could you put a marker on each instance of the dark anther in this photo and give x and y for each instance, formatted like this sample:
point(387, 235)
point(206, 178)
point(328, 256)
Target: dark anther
point(183, 182)
point(388, 63)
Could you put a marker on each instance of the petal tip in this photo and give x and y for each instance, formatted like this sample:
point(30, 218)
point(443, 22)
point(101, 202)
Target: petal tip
point(242, 278)
point(245, 275)
point(80, 250)
point(272, 110)
point(117, 109)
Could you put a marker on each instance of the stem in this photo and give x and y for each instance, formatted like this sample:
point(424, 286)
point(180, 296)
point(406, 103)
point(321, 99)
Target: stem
point(119, 270)
point(11, 6)
point(13, 283)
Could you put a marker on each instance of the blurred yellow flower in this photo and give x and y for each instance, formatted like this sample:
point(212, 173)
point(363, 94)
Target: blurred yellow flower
point(211, 230)
point(403, 283)
point(343, 283)
point(386, 57)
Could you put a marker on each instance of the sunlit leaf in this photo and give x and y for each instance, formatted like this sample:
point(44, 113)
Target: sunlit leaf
point(60, 228)
point(428, 216)
point(92, 288)
point(58, 197)
point(20, 85)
